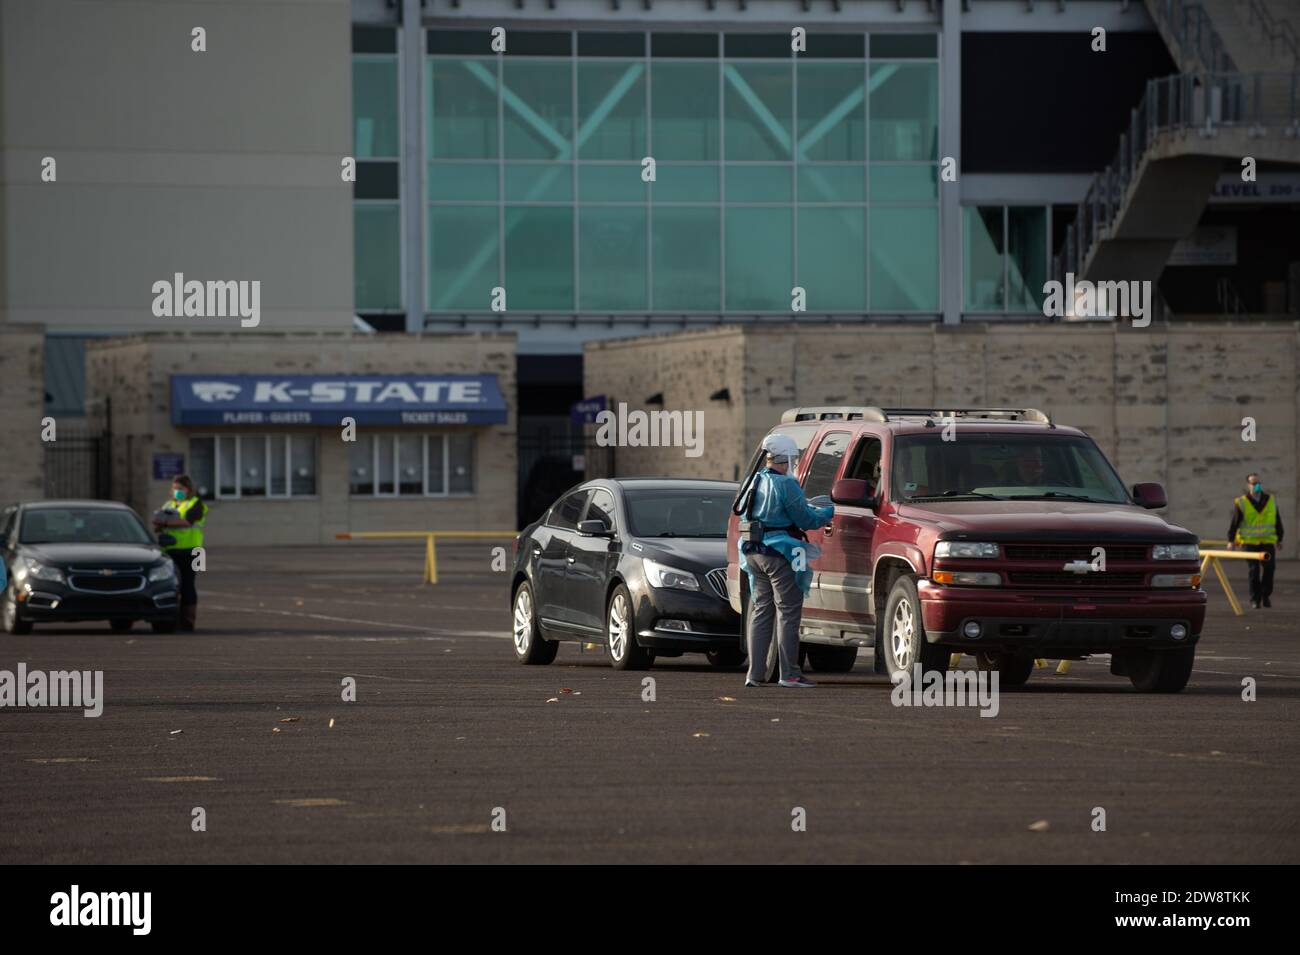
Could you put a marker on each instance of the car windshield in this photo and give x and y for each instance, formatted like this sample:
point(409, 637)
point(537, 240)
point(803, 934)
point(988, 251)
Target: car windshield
point(669, 512)
point(1002, 467)
point(81, 525)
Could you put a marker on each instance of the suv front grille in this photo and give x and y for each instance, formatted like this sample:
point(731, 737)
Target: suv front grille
point(1063, 578)
point(1067, 552)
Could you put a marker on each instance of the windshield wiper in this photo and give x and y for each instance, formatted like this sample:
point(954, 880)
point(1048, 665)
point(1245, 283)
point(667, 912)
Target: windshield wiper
point(949, 495)
point(1061, 495)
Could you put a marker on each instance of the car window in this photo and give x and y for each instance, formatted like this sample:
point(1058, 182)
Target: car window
point(677, 512)
point(826, 463)
point(81, 525)
point(601, 507)
point(565, 514)
point(865, 465)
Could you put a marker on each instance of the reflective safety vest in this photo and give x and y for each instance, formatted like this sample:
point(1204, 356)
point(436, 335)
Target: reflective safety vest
point(1257, 527)
point(185, 538)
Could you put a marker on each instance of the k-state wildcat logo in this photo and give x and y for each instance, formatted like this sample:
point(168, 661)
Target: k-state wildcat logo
point(211, 391)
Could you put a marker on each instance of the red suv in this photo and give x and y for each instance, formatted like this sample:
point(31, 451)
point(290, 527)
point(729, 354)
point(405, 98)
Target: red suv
point(990, 531)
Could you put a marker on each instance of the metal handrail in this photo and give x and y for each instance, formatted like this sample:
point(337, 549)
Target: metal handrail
point(1275, 31)
point(1201, 102)
point(1193, 29)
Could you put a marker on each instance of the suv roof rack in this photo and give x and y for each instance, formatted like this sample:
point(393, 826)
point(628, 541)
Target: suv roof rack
point(881, 415)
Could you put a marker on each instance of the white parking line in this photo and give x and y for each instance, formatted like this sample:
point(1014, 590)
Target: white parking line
point(435, 634)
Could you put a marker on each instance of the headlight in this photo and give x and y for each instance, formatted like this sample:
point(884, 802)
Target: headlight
point(1176, 552)
point(163, 571)
point(661, 576)
point(26, 567)
point(965, 549)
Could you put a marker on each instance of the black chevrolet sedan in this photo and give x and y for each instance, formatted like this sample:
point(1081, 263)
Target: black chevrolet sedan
point(83, 560)
point(638, 565)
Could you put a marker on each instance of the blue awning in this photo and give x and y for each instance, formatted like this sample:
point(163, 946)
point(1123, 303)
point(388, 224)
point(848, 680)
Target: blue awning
point(326, 400)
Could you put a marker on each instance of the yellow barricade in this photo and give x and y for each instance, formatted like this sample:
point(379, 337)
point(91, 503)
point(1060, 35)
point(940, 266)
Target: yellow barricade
point(430, 542)
point(1213, 556)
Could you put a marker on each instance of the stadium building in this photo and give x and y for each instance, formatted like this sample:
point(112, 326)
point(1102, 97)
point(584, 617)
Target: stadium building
point(543, 176)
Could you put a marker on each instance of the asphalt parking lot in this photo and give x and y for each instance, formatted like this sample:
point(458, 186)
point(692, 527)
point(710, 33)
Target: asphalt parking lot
point(245, 719)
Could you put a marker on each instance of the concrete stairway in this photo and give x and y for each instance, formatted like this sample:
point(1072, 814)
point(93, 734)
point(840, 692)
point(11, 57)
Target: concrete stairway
point(1239, 95)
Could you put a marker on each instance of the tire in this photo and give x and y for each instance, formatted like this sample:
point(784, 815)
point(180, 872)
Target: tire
point(9, 619)
point(1161, 671)
point(726, 659)
point(904, 643)
point(832, 659)
point(531, 648)
point(121, 626)
point(620, 633)
point(1013, 668)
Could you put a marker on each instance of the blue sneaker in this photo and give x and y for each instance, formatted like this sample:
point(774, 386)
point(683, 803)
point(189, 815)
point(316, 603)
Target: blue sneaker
point(797, 681)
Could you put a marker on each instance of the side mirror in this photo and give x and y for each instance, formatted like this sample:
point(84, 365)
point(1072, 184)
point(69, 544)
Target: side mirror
point(594, 529)
point(1150, 495)
point(853, 492)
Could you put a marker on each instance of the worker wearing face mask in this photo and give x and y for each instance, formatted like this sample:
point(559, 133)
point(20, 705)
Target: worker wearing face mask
point(774, 552)
point(1257, 526)
point(179, 524)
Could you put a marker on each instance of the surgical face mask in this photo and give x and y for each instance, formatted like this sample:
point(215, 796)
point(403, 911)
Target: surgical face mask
point(178, 494)
point(1257, 488)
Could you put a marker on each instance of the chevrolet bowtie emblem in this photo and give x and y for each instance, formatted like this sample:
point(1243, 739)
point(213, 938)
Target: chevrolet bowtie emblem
point(1078, 567)
point(106, 572)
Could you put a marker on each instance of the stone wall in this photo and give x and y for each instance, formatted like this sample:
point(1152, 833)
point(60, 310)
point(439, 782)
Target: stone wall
point(22, 403)
point(1165, 404)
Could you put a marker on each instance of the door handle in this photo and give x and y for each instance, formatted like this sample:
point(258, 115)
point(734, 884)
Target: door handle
point(537, 552)
point(571, 559)
point(828, 531)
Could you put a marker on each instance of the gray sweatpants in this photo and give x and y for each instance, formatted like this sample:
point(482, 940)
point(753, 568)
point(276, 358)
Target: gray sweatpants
point(775, 592)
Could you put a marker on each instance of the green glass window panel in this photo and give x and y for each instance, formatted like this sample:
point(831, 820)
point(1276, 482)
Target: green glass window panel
point(621, 183)
point(1026, 257)
point(377, 256)
point(463, 181)
point(463, 256)
point(904, 246)
point(539, 182)
point(759, 183)
point(463, 105)
point(685, 183)
point(904, 183)
point(538, 109)
point(759, 259)
point(374, 107)
point(832, 257)
point(611, 109)
point(759, 110)
point(832, 121)
point(539, 257)
point(982, 242)
point(686, 247)
point(819, 183)
point(612, 260)
point(684, 110)
point(904, 111)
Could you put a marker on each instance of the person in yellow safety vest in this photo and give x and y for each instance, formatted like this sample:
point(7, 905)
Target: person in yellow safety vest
point(186, 533)
point(1257, 526)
